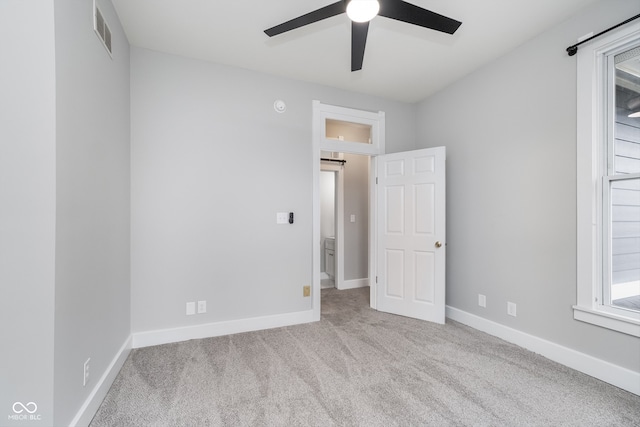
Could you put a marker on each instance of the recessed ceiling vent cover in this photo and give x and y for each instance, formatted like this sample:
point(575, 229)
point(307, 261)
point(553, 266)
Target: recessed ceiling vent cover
point(101, 28)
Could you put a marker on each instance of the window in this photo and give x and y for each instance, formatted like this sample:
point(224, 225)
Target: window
point(348, 131)
point(609, 182)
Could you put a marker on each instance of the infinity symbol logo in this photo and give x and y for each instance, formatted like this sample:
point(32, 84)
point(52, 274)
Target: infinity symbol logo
point(30, 407)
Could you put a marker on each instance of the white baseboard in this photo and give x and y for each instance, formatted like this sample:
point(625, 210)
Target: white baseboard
point(97, 395)
point(355, 283)
point(618, 376)
point(166, 336)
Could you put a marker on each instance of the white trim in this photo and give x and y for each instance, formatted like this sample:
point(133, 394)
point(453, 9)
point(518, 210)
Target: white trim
point(316, 129)
point(339, 224)
point(373, 234)
point(216, 329)
point(618, 376)
point(92, 403)
point(355, 283)
point(591, 164)
point(607, 320)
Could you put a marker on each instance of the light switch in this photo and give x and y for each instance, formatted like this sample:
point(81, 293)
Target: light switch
point(353, 218)
point(191, 308)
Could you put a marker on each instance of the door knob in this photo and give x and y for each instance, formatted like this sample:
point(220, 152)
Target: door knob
point(438, 244)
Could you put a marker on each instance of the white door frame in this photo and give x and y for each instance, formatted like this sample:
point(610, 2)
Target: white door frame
point(322, 112)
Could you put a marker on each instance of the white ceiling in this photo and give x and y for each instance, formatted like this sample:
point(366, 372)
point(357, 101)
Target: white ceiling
point(402, 61)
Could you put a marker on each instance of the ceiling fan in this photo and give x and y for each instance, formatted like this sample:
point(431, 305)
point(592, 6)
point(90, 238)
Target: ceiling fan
point(361, 12)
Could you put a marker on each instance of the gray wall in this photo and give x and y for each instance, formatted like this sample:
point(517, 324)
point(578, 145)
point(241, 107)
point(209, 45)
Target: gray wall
point(356, 202)
point(64, 216)
point(27, 207)
point(92, 299)
point(510, 133)
point(212, 163)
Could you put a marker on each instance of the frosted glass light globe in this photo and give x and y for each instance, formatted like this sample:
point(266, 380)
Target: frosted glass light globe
point(362, 10)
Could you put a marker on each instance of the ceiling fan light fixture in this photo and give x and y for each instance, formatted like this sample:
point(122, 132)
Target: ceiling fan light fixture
point(362, 10)
point(634, 114)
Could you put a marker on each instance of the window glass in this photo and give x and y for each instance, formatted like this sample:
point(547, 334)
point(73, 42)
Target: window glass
point(348, 131)
point(626, 147)
point(623, 187)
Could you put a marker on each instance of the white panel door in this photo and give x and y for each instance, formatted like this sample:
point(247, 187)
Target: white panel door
point(411, 233)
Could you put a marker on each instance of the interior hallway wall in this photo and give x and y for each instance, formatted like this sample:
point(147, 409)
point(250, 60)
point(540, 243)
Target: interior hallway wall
point(92, 299)
point(27, 207)
point(356, 203)
point(510, 133)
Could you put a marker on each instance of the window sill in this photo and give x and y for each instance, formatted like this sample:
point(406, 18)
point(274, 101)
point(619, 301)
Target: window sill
point(625, 325)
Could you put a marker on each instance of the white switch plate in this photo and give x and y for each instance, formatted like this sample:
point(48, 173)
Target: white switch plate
point(511, 309)
point(202, 307)
point(353, 218)
point(191, 308)
point(282, 218)
point(482, 300)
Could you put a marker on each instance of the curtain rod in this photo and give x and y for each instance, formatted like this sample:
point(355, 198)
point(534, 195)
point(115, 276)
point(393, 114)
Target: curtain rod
point(334, 160)
point(572, 50)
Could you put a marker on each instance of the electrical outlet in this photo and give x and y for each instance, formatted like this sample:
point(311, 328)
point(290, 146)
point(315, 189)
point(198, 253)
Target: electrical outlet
point(282, 218)
point(85, 378)
point(511, 309)
point(306, 291)
point(191, 308)
point(202, 307)
point(482, 300)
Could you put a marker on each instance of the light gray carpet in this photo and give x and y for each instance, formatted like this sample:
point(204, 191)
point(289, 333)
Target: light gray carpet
point(357, 367)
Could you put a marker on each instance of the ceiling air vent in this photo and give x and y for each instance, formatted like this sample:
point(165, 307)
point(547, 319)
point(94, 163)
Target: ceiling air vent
point(101, 28)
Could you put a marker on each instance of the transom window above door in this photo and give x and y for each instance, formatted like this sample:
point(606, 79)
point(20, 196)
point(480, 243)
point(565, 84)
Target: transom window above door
point(348, 131)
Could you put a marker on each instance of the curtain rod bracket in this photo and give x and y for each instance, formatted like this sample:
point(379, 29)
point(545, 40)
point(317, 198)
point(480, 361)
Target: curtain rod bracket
point(572, 50)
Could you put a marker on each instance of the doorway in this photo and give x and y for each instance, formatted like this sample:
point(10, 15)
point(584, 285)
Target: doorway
point(349, 132)
point(331, 198)
point(344, 220)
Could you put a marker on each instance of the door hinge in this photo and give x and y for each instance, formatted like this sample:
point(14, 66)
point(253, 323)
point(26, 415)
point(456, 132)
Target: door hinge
point(376, 279)
point(376, 179)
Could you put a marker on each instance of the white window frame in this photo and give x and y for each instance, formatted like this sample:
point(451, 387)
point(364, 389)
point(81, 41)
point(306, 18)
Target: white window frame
point(592, 132)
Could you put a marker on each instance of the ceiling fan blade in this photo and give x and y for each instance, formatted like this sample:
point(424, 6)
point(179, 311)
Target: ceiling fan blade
point(412, 14)
point(359, 31)
point(309, 18)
